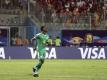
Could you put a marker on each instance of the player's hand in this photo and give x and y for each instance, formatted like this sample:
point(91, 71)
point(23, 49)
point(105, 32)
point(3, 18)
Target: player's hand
point(34, 49)
point(32, 39)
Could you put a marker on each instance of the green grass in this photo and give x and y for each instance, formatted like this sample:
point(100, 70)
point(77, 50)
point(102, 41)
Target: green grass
point(54, 70)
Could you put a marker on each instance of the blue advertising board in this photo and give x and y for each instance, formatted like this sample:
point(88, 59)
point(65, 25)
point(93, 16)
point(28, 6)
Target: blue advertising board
point(84, 37)
point(54, 53)
point(3, 37)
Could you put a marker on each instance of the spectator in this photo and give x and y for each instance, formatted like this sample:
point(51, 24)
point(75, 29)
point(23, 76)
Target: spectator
point(57, 41)
point(25, 42)
point(7, 3)
point(97, 19)
point(13, 41)
point(54, 16)
point(50, 41)
point(18, 41)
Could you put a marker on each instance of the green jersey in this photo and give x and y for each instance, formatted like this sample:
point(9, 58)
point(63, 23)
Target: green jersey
point(41, 43)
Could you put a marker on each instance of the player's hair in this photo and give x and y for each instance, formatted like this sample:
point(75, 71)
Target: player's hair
point(42, 27)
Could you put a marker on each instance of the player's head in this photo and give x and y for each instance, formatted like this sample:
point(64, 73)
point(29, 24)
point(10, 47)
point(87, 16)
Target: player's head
point(44, 29)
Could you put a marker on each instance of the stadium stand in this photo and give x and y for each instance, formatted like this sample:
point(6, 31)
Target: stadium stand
point(12, 6)
point(8, 20)
point(57, 15)
point(13, 19)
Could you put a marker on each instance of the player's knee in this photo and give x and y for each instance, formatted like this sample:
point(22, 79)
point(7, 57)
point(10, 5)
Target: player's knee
point(42, 61)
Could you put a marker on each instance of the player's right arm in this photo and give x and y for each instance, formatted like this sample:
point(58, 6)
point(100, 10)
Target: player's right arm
point(35, 37)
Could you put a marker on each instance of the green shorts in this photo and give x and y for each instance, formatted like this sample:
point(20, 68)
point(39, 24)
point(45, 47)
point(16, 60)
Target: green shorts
point(41, 54)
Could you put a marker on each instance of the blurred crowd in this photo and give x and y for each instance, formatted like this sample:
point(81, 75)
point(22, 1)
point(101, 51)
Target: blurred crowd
point(71, 11)
point(20, 41)
point(76, 6)
point(7, 20)
point(16, 6)
point(68, 12)
point(88, 12)
point(13, 4)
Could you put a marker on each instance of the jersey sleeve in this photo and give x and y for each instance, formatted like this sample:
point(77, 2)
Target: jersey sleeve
point(37, 36)
point(47, 37)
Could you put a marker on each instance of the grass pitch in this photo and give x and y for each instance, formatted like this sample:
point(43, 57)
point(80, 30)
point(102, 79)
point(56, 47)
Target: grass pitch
point(54, 70)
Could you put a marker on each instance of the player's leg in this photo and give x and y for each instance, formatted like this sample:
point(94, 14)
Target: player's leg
point(39, 65)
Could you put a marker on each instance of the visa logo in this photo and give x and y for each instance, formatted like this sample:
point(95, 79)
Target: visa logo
point(92, 53)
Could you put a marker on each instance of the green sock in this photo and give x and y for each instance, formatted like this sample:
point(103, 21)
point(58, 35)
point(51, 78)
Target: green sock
point(38, 66)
